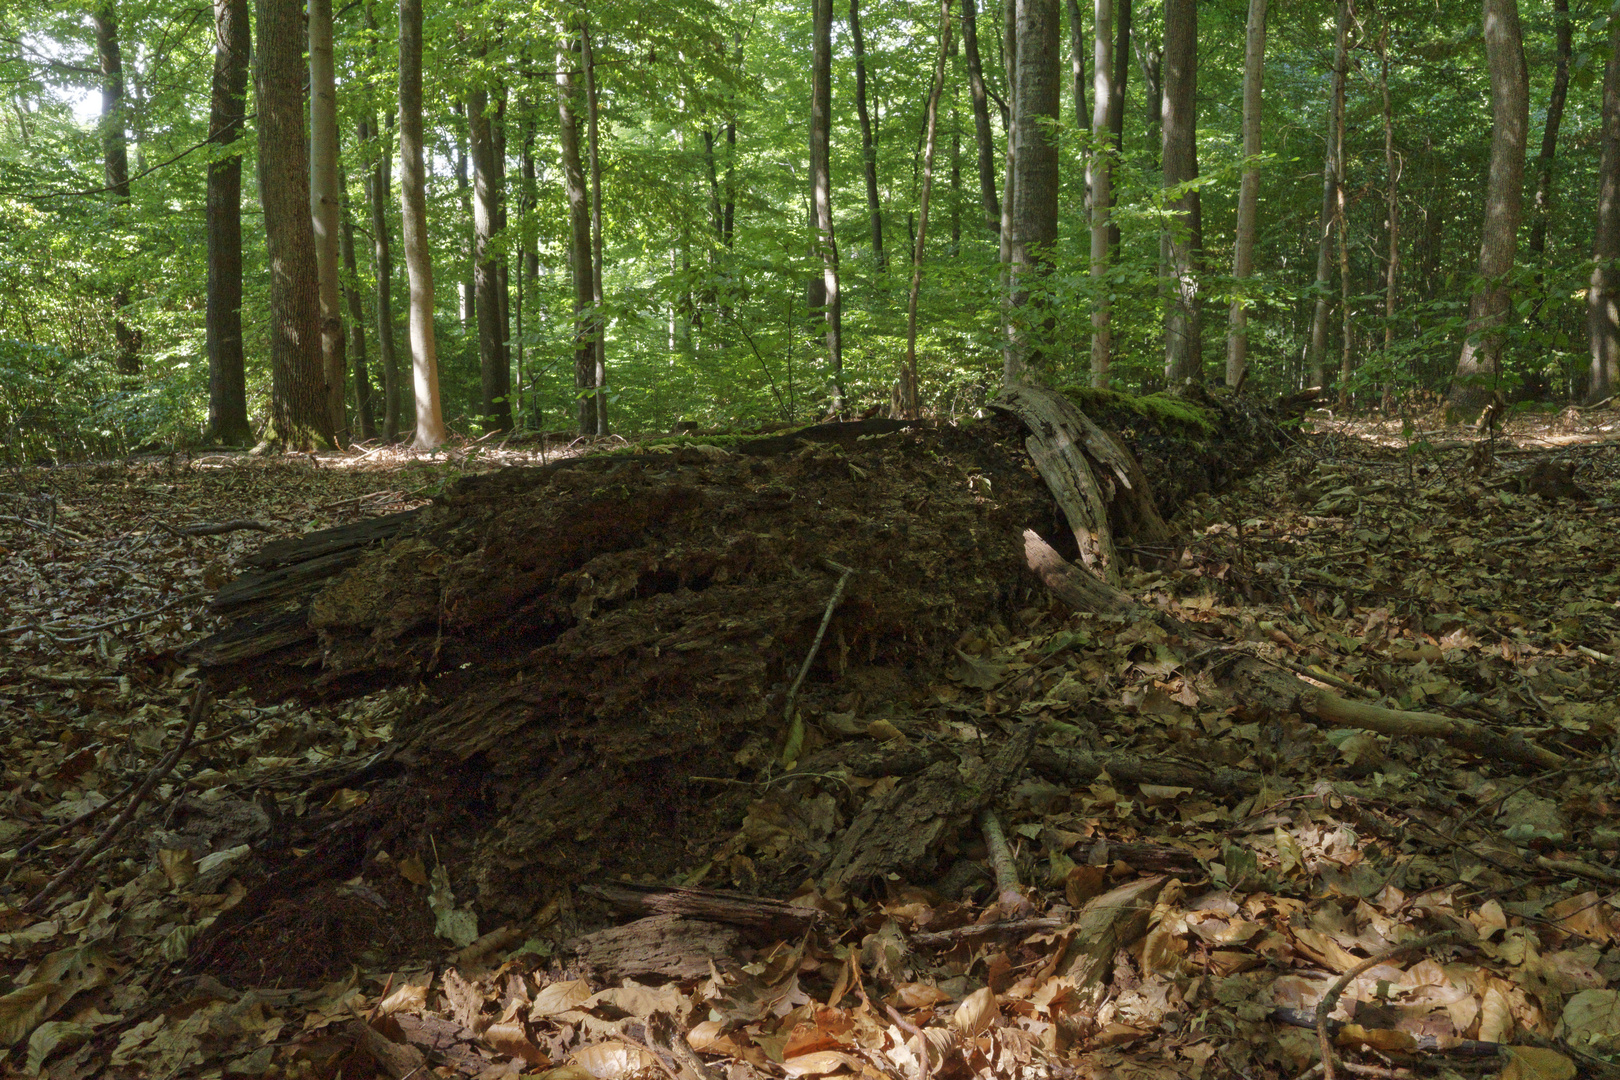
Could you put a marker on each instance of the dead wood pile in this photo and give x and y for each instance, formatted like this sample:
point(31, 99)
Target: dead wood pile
point(604, 646)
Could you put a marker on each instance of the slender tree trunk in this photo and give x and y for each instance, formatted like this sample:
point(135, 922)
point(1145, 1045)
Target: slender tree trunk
point(468, 288)
point(529, 265)
point(503, 298)
point(1346, 326)
point(430, 430)
point(579, 244)
point(494, 380)
point(1316, 357)
point(1481, 357)
point(1541, 205)
point(323, 206)
point(1116, 103)
point(227, 379)
point(821, 195)
point(1009, 56)
point(299, 416)
point(956, 180)
point(1603, 292)
point(1100, 180)
point(1035, 179)
point(599, 321)
point(1183, 339)
point(1077, 65)
point(379, 190)
point(115, 166)
point(909, 394)
point(1254, 67)
point(981, 119)
point(1150, 58)
point(874, 209)
point(1391, 212)
point(364, 409)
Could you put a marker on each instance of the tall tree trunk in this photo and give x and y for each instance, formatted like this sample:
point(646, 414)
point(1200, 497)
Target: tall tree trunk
point(874, 209)
point(494, 379)
point(1183, 240)
point(1481, 357)
point(1100, 180)
point(1392, 213)
point(599, 320)
point(909, 394)
point(1603, 292)
point(1248, 215)
point(1077, 65)
point(299, 416)
point(529, 265)
point(115, 166)
point(430, 430)
point(468, 288)
point(1009, 186)
point(1316, 356)
point(821, 195)
point(503, 298)
point(1150, 58)
point(956, 179)
point(1116, 103)
point(1035, 180)
point(981, 119)
point(579, 244)
point(1541, 205)
point(364, 409)
point(323, 205)
point(379, 189)
point(227, 111)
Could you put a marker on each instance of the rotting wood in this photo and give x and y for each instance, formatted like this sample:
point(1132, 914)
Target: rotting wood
point(671, 946)
point(771, 919)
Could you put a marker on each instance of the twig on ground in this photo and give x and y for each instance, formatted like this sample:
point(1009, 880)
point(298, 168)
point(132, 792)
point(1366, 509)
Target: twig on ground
point(42, 527)
point(199, 707)
point(1011, 898)
point(1330, 1000)
point(48, 628)
point(815, 646)
point(210, 528)
point(923, 1071)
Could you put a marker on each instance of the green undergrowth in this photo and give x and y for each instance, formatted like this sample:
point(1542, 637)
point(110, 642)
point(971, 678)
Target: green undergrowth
point(1164, 409)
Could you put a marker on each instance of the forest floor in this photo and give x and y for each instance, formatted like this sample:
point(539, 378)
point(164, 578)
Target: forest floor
point(1456, 914)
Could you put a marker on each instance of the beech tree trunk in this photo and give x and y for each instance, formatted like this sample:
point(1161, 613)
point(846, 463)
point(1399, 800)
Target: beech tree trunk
point(323, 205)
point(874, 209)
point(468, 288)
point(821, 195)
point(599, 320)
point(1182, 241)
point(494, 379)
point(227, 111)
point(1150, 57)
point(365, 415)
point(984, 137)
point(379, 187)
point(1392, 265)
point(1481, 358)
point(1077, 65)
point(1248, 215)
point(115, 166)
point(1541, 206)
point(1316, 354)
point(1034, 182)
point(579, 244)
point(1100, 181)
point(299, 416)
point(909, 396)
point(430, 430)
point(1116, 103)
point(1602, 302)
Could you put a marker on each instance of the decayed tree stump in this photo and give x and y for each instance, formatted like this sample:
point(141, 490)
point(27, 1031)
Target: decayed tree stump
point(604, 644)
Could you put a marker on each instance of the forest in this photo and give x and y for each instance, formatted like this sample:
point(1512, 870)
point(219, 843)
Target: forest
point(719, 541)
point(628, 217)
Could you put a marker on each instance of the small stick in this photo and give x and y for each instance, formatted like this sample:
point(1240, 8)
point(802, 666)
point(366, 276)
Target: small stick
point(923, 1072)
point(209, 528)
point(815, 646)
point(1013, 902)
point(83, 819)
point(58, 627)
point(1330, 1000)
point(199, 707)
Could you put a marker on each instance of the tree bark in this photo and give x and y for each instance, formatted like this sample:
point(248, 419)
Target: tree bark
point(365, 414)
point(1009, 121)
point(1248, 215)
point(1392, 212)
point(227, 111)
point(1488, 311)
point(874, 209)
point(1100, 181)
point(579, 244)
point(1116, 104)
point(821, 195)
point(430, 431)
point(115, 166)
point(1077, 66)
point(909, 396)
point(981, 119)
point(1150, 58)
point(1316, 356)
point(468, 287)
point(1602, 303)
point(599, 320)
point(1182, 241)
point(1035, 180)
point(323, 205)
point(299, 416)
point(494, 379)
point(379, 189)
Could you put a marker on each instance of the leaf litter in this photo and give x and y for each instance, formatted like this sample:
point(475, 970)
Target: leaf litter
point(1455, 914)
